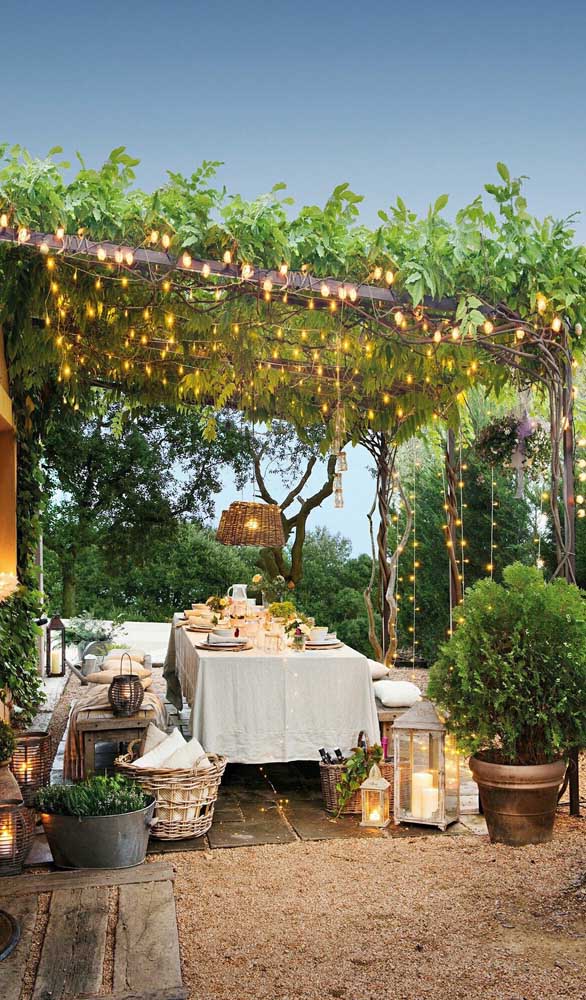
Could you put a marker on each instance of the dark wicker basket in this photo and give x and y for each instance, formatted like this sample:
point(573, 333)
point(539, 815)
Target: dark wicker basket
point(330, 775)
point(31, 763)
point(126, 692)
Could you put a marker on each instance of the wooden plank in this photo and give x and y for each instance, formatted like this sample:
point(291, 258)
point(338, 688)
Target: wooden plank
point(20, 885)
point(13, 968)
point(178, 993)
point(72, 957)
point(147, 943)
point(98, 722)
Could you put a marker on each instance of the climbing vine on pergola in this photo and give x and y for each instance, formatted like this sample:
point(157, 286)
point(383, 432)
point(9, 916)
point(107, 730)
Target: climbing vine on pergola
point(191, 296)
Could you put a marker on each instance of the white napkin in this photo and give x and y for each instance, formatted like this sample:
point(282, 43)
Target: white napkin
point(222, 640)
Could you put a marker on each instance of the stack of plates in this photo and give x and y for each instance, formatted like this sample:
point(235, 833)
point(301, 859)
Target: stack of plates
point(329, 642)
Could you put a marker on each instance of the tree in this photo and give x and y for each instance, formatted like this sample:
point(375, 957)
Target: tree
point(120, 479)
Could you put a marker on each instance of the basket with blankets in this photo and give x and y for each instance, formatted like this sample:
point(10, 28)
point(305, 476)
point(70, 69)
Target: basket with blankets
point(183, 779)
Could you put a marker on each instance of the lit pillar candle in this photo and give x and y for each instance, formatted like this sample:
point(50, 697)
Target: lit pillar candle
point(419, 781)
point(55, 661)
point(429, 802)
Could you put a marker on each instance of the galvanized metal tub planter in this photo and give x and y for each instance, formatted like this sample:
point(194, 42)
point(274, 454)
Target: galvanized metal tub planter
point(99, 841)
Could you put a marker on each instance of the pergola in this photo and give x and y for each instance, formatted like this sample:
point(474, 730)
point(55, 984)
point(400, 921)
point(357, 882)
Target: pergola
point(120, 305)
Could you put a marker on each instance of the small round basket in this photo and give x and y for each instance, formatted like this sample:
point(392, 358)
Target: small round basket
point(185, 797)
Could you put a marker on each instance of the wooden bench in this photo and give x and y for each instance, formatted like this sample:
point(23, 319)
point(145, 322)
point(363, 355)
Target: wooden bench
point(104, 727)
point(386, 717)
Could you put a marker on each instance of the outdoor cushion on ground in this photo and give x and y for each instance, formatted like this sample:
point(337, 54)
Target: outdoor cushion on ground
point(158, 756)
point(115, 655)
point(377, 670)
point(397, 694)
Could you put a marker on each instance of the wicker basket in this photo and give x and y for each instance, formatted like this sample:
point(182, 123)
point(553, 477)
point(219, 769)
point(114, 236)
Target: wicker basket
point(330, 775)
point(251, 523)
point(185, 797)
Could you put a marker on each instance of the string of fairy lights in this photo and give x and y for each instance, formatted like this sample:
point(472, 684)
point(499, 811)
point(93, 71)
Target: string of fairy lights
point(158, 296)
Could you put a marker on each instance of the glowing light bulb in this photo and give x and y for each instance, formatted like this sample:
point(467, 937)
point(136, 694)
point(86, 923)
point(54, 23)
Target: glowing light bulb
point(44, 248)
point(353, 295)
point(154, 236)
point(389, 277)
point(267, 285)
point(378, 273)
point(437, 337)
point(455, 333)
point(227, 258)
point(206, 270)
point(325, 291)
point(101, 253)
point(3, 220)
point(129, 258)
point(556, 324)
point(247, 271)
point(283, 269)
point(186, 260)
point(60, 233)
point(541, 303)
point(342, 292)
point(166, 240)
point(488, 327)
point(519, 334)
point(23, 235)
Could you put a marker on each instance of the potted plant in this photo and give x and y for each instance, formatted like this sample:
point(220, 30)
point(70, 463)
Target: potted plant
point(103, 822)
point(512, 679)
point(84, 630)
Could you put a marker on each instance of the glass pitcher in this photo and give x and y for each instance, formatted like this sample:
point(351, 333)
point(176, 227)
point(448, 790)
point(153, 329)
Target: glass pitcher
point(237, 591)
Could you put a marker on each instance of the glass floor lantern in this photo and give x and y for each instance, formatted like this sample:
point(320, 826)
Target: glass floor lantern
point(427, 769)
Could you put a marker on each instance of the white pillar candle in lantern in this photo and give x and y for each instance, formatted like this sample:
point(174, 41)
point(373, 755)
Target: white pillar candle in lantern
point(420, 781)
point(55, 662)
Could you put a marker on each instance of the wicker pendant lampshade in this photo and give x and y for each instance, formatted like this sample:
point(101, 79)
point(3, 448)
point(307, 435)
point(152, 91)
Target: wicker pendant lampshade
point(250, 523)
point(126, 692)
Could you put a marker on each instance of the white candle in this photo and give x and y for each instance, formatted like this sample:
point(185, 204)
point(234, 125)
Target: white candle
point(419, 781)
point(55, 661)
point(429, 802)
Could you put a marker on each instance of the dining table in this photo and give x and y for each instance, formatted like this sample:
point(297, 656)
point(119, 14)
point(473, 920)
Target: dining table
point(258, 706)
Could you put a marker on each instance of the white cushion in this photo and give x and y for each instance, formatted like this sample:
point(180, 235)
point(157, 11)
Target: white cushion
point(116, 654)
point(188, 756)
point(154, 736)
point(397, 694)
point(158, 755)
point(377, 670)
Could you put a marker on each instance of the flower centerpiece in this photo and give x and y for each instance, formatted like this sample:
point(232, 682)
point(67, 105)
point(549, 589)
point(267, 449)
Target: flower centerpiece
point(297, 630)
point(217, 604)
point(284, 611)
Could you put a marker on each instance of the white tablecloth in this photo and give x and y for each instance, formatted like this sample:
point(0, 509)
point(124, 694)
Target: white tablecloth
point(257, 707)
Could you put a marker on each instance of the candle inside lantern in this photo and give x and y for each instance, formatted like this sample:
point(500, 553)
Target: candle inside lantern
point(429, 802)
point(419, 781)
point(6, 838)
point(55, 661)
point(375, 815)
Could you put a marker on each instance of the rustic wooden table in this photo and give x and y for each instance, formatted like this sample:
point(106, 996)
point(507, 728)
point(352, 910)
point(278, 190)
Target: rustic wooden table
point(104, 727)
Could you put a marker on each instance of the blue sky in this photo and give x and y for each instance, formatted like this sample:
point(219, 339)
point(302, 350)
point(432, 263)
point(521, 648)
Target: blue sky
point(414, 100)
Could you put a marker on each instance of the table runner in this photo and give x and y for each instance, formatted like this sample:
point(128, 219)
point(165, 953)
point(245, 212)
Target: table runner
point(258, 707)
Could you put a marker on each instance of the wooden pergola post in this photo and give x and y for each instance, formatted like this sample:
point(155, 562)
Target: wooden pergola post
point(569, 504)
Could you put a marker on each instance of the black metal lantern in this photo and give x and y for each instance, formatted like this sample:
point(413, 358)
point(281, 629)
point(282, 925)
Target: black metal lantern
point(31, 763)
point(126, 692)
point(55, 640)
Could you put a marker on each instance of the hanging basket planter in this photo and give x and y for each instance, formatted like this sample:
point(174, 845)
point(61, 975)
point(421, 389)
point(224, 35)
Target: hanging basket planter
point(521, 443)
point(251, 523)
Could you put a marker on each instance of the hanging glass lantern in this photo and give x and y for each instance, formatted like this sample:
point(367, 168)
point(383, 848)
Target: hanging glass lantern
point(339, 498)
point(31, 763)
point(126, 692)
point(375, 800)
point(427, 769)
point(341, 462)
point(55, 643)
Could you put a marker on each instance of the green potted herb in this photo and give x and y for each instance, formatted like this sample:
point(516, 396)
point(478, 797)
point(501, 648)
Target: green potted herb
point(103, 822)
point(513, 680)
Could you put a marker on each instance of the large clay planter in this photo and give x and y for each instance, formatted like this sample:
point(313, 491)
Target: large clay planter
point(519, 801)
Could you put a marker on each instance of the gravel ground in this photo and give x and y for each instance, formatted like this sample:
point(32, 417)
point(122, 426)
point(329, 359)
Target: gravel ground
point(430, 917)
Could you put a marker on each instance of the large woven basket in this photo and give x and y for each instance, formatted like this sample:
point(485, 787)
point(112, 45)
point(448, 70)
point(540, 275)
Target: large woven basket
point(185, 797)
point(330, 775)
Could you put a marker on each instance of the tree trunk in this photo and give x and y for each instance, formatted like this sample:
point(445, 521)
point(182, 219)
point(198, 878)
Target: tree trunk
point(570, 541)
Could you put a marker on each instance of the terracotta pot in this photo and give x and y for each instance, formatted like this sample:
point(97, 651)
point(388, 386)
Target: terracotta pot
point(519, 801)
